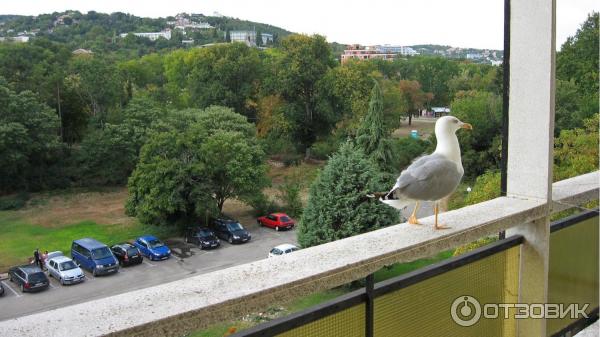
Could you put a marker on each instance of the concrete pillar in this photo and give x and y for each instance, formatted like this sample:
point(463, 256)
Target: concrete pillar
point(530, 141)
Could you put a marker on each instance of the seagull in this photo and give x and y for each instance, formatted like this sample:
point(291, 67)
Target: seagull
point(431, 177)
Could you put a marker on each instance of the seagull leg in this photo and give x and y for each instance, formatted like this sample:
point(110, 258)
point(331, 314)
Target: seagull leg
point(412, 219)
point(436, 210)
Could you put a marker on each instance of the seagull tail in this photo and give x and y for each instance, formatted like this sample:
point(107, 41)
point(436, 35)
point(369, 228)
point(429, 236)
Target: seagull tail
point(393, 200)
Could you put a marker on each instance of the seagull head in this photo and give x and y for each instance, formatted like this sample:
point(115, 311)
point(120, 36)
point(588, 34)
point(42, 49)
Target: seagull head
point(449, 125)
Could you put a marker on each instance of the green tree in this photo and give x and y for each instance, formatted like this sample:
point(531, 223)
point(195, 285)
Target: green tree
point(168, 185)
point(395, 104)
point(405, 150)
point(473, 76)
point(29, 141)
point(577, 76)
point(259, 41)
point(234, 166)
point(578, 56)
point(191, 168)
point(224, 75)
point(415, 98)
point(481, 147)
point(337, 207)
point(99, 84)
point(107, 156)
point(372, 137)
point(290, 193)
point(433, 73)
point(576, 150)
point(348, 87)
point(304, 63)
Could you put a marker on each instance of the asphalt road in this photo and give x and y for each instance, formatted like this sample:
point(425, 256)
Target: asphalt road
point(187, 261)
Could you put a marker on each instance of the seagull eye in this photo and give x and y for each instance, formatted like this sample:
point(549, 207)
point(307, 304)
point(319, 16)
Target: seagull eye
point(455, 121)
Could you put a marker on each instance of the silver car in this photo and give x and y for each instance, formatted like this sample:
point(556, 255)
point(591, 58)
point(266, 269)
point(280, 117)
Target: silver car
point(63, 269)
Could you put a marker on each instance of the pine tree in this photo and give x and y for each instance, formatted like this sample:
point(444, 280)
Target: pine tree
point(337, 205)
point(371, 136)
point(259, 38)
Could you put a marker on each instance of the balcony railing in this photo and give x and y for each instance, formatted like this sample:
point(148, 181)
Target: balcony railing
point(197, 302)
point(421, 303)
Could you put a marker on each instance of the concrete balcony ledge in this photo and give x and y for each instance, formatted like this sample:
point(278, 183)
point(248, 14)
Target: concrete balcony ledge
point(175, 308)
point(575, 191)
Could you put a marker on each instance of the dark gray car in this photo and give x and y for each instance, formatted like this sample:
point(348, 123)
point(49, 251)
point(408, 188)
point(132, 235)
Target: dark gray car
point(230, 230)
point(29, 278)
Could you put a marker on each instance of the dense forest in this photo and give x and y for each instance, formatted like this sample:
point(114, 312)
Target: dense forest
point(188, 128)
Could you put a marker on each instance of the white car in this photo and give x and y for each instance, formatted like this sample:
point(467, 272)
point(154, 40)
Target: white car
point(63, 269)
point(283, 249)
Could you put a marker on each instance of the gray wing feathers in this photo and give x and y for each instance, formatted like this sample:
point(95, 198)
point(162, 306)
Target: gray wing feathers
point(430, 177)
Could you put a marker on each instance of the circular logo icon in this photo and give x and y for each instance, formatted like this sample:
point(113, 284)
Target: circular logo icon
point(465, 310)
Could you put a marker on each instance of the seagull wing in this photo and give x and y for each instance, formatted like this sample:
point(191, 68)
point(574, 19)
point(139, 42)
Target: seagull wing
point(431, 177)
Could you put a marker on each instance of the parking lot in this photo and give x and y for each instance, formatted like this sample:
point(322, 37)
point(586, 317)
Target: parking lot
point(187, 260)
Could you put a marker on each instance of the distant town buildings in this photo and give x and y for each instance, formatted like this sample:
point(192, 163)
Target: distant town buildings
point(19, 39)
point(64, 19)
point(22, 38)
point(182, 22)
point(384, 52)
point(488, 56)
point(82, 51)
point(266, 38)
point(440, 111)
point(390, 52)
point(402, 50)
point(249, 37)
point(152, 36)
point(474, 56)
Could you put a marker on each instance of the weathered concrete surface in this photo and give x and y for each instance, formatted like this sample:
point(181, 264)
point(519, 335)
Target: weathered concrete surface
point(575, 191)
point(591, 331)
point(175, 308)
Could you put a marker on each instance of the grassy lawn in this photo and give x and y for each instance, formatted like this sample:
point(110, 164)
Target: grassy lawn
point(18, 238)
point(425, 126)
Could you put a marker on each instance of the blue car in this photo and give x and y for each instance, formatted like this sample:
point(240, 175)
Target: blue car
point(152, 247)
point(94, 256)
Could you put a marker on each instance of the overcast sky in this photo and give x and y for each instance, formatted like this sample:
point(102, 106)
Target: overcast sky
point(459, 23)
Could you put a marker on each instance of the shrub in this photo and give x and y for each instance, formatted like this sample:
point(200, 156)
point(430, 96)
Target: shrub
point(290, 195)
point(324, 148)
point(13, 201)
point(261, 204)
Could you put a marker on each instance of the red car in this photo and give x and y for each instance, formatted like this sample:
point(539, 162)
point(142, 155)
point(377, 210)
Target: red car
point(277, 221)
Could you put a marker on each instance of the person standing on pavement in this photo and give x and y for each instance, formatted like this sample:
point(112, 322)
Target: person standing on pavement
point(44, 258)
point(37, 258)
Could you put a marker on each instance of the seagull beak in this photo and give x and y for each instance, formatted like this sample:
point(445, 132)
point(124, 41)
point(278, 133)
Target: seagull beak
point(467, 126)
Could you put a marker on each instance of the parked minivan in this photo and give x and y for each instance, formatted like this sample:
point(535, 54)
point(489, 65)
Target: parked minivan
point(94, 256)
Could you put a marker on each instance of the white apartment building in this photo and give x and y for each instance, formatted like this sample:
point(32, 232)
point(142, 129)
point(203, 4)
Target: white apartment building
point(152, 36)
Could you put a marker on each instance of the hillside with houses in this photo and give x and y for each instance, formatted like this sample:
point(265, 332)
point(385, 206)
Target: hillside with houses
point(118, 32)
